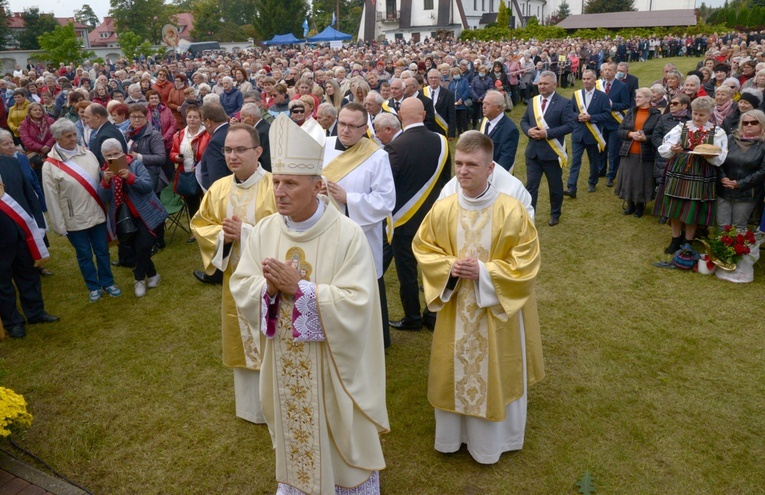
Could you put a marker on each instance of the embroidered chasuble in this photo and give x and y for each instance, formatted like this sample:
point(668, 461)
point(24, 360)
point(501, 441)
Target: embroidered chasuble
point(322, 382)
point(476, 365)
point(251, 201)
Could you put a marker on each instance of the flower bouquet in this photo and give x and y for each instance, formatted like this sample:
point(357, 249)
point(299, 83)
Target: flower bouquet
point(13, 412)
point(728, 246)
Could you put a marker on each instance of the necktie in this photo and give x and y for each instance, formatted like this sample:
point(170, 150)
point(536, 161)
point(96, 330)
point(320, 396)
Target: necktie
point(544, 104)
point(396, 105)
point(608, 87)
point(487, 129)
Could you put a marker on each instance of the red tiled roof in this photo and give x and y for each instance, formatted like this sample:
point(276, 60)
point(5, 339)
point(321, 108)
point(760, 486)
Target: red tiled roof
point(107, 26)
point(15, 21)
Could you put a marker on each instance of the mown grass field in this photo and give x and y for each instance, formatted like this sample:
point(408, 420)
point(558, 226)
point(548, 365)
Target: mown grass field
point(655, 379)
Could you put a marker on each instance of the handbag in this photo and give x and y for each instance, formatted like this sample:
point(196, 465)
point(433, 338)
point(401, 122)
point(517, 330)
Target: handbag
point(126, 227)
point(187, 184)
point(467, 102)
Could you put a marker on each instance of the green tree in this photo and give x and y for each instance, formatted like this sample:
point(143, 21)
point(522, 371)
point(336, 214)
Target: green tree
point(86, 16)
point(5, 32)
point(503, 15)
point(129, 43)
point(63, 45)
point(564, 10)
point(350, 13)
point(143, 17)
point(207, 17)
point(279, 17)
point(35, 24)
point(229, 31)
point(602, 6)
point(238, 12)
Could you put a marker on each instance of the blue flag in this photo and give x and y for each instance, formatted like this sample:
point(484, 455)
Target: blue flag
point(305, 27)
point(333, 19)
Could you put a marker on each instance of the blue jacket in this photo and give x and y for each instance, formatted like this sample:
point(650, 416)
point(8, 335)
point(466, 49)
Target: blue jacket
point(620, 102)
point(140, 194)
point(559, 117)
point(461, 90)
point(480, 86)
point(505, 137)
point(31, 176)
point(231, 101)
point(600, 113)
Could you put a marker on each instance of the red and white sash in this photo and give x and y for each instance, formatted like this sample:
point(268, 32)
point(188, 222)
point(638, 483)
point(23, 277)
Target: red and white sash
point(33, 234)
point(87, 181)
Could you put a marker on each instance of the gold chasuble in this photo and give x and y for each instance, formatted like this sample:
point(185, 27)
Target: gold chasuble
point(323, 400)
point(251, 201)
point(476, 364)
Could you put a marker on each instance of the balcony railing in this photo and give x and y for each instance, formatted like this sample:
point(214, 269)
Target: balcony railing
point(391, 16)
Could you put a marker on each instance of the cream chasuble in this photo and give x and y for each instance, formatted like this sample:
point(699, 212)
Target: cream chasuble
point(251, 201)
point(324, 400)
point(486, 344)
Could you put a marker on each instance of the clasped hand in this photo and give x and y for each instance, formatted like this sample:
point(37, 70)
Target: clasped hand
point(467, 268)
point(537, 133)
point(280, 277)
point(232, 229)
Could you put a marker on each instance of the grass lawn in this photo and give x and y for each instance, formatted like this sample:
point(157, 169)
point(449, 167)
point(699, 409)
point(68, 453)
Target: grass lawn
point(655, 379)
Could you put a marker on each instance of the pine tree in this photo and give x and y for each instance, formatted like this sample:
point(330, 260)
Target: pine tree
point(5, 32)
point(207, 17)
point(86, 16)
point(503, 15)
point(564, 10)
point(602, 6)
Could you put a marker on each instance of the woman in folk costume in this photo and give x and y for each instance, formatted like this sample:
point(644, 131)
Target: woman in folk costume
point(690, 183)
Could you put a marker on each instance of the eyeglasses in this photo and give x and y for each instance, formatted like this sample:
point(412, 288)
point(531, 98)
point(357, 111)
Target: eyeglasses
point(137, 117)
point(749, 122)
point(240, 150)
point(671, 103)
point(298, 110)
point(346, 125)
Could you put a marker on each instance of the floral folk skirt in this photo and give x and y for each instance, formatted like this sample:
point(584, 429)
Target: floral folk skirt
point(689, 192)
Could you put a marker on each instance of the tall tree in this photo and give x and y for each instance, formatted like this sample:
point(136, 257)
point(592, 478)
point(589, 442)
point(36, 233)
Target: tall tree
point(564, 10)
point(86, 16)
point(603, 6)
point(63, 45)
point(129, 43)
point(503, 15)
point(207, 17)
point(35, 24)
point(144, 17)
point(350, 13)
point(237, 11)
point(279, 17)
point(5, 32)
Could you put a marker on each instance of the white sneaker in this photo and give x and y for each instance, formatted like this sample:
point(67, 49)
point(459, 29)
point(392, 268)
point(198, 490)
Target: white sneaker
point(140, 288)
point(95, 295)
point(153, 282)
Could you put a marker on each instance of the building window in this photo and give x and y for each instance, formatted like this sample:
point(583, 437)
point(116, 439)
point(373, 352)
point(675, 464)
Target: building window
point(428, 5)
point(537, 11)
point(491, 5)
point(523, 9)
point(390, 9)
point(475, 5)
point(483, 5)
point(103, 35)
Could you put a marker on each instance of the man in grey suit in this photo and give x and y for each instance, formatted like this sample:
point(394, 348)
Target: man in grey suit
point(546, 122)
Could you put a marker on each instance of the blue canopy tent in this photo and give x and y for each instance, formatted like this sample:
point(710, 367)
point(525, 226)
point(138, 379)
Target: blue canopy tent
point(329, 34)
point(283, 39)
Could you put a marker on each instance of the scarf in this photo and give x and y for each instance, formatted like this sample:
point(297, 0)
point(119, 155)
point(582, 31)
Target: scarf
point(155, 121)
point(679, 114)
point(135, 134)
point(42, 128)
point(721, 111)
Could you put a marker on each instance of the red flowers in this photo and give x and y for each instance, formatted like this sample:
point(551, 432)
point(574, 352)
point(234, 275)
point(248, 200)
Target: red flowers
point(729, 245)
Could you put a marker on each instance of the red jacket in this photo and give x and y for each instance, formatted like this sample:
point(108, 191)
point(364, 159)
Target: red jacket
point(198, 144)
point(29, 132)
point(163, 90)
point(167, 121)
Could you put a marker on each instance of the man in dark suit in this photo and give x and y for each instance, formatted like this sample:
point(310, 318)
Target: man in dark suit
point(502, 131)
point(213, 164)
point(326, 116)
point(591, 106)
point(546, 122)
point(443, 105)
point(397, 96)
point(17, 254)
point(623, 74)
point(620, 102)
point(251, 115)
point(420, 163)
point(98, 120)
point(412, 89)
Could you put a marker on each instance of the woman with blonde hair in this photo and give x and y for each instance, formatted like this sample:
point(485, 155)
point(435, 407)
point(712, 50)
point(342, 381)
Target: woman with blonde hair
point(741, 177)
point(332, 94)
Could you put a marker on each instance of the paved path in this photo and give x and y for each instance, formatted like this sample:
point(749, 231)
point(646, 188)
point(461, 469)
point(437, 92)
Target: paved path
point(18, 478)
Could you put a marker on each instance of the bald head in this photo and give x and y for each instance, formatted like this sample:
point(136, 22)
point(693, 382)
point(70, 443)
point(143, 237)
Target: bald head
point(411, 112)
point(410, 86)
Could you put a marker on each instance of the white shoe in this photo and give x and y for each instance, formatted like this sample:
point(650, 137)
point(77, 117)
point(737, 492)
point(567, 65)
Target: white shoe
point(140, 288)
point(153, 282)
point(95, 295)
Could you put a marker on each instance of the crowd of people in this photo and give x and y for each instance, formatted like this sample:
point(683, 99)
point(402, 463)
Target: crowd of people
point(308, 171)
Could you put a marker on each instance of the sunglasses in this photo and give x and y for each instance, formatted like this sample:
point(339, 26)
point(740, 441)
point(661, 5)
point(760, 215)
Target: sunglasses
point(674, 103)
point(749, 122)
point(298, 110)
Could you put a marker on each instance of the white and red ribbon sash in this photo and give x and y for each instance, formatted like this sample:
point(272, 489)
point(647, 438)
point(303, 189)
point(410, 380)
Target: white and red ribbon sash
point(88, 182)
point(33, 234)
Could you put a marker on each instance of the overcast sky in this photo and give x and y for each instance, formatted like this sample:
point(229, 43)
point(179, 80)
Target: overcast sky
point(64, 8)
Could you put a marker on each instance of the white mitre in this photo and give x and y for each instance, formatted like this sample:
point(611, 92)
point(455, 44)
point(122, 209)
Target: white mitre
point(293, 151)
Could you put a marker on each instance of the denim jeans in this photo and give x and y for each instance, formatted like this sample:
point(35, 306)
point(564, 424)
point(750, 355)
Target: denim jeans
point(91, 242)
point(578, 148)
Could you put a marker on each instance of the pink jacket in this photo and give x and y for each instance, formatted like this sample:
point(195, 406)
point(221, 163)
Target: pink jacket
point(29, 132)
point(169, 127)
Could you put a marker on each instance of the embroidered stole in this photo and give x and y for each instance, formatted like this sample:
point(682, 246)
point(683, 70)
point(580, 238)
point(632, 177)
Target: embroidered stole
point(410, 208)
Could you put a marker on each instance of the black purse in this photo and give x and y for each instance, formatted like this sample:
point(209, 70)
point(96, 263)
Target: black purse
point(126, 227)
